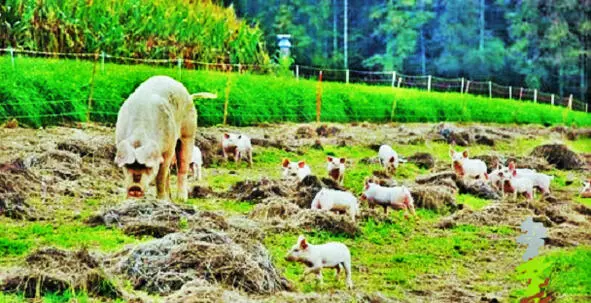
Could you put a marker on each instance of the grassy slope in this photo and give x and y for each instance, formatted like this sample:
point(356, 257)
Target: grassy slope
point(390, 258)
point(252, 98)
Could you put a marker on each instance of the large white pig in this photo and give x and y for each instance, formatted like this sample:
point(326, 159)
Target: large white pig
point(155, 122)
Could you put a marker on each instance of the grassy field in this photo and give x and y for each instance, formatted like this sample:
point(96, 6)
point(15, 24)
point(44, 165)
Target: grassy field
point(49, 91)
point(398, 259)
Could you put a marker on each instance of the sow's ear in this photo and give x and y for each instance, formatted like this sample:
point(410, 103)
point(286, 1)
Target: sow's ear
point(149, 155)
point(125, 154)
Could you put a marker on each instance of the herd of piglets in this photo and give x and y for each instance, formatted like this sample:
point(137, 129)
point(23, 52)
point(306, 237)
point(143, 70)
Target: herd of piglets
point(156, 128)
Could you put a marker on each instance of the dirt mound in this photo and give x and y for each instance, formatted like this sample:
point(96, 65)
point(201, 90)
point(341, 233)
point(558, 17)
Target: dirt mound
point(327, 131)
point(210, 147)
point(16, 183)
point(313, 220)
point(306, 190)
point(436, 197)
point(305, 132)
point(164, 265)
point(13, 205)
point(60, 164)
point(257, 191)
point(502, 213)
point(568, 235)
point(52, 270)
point(422, 160)
point(155, 218)
point(478, 188)
point(200, 290)
point(201, 192)
point(446, 178)
point(559, 155)
point(101, 147)
point(372, 160)
point(274, 210)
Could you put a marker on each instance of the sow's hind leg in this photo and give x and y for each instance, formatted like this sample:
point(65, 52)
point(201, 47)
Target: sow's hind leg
point(184, 153)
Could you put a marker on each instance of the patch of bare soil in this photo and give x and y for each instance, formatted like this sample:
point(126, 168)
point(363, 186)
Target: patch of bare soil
point(164, 265)
point(52, 270)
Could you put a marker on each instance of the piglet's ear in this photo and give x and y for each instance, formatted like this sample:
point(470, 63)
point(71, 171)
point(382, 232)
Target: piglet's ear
point(303, 243)
point(392, 159)
point(329, 159)
point(465, 154)
point(285, 162)
point(511, 165)
point(226, 135)
point(125, 154)
point(301, 164)
point(514, 173)
point(343, 160)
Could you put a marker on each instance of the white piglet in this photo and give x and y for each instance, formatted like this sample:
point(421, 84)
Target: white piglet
point(316, 257)
point(388, 159)
point(238, 146)
point(512, 183)
point(397, 197)
point(196, 163)
point(586, 191)
point(336, 200)
point(539, 180)
point(466, 167)
point(336, 168)
point(297, 170)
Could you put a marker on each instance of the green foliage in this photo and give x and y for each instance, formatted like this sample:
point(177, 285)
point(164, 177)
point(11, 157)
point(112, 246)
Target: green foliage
point(252, 98)
point(198, 30)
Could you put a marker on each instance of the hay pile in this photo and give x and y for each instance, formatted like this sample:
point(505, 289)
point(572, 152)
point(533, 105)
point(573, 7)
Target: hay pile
point(99, 146)
point(16, 183)
point(478, 188)
point(559, 155)
point(305, 132)
point(258, 191)
point(164, 265)
point(502, 213)
point(52, 270)
point(436, 197)
point(200, 290)
point(155, 218)
point(327, 131)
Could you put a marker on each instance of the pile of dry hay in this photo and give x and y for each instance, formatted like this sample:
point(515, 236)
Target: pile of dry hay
point(559, 155)
point(99, 147)
point(258, 191)
point(52, 270)
point(155, 218)
point(165, 265)
point(16, 183)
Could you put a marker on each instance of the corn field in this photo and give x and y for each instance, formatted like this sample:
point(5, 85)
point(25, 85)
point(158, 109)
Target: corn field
point(140, 29)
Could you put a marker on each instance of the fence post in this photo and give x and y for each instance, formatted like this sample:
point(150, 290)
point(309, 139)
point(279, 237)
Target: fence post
point(462, 87)
point(399, 81)
point(347, 76)
point(227, 99)
point(179, 64)
point(12, 57)
point(520, 93)
point(91, 88)
point(393, 79)
point(319, 97)
point(239, 68)
point(429, 83)
point(552, 99)
point(570, 101)
point(510, 92)
point(102, 62)
point(490, 89)
point(586, 107)
point(467, 86)
point(297, 72)
point(535, 96)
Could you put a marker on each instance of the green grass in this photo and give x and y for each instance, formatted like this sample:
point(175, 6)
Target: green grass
point(390, 257)
point(569, 272)
point(66, 297)
point(252, 98)
point(19, 238)
point(474, 202)
point(228, 206)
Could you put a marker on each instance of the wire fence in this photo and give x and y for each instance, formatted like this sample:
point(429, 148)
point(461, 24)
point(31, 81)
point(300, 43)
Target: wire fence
point(84, 108)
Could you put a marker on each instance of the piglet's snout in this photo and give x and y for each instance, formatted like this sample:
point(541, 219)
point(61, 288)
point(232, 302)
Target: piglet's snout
point(135, 192)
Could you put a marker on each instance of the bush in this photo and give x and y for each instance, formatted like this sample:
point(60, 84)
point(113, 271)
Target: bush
point(48, 91)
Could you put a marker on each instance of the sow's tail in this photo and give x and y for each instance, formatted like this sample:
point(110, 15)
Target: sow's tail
point(204, 95)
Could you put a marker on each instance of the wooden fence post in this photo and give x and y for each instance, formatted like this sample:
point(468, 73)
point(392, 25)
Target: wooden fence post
point(12, 58)
point(91, 88)
point(535, 96)
point(319, 97)
point(510, 92)
point(297, 72)
point(179, 64)
point(552, 99)
point(586, 107)
point(393, 79)
point(520, 93)
point(490, 89)
point(570, 101)
point(227, 98)
point(462, 86)
point(429, 83)
point(347, 76)
point(399, 81)
point(467, 86)
point(102, 62)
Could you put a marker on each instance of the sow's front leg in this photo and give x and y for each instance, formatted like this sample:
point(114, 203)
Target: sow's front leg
point(185, 154)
